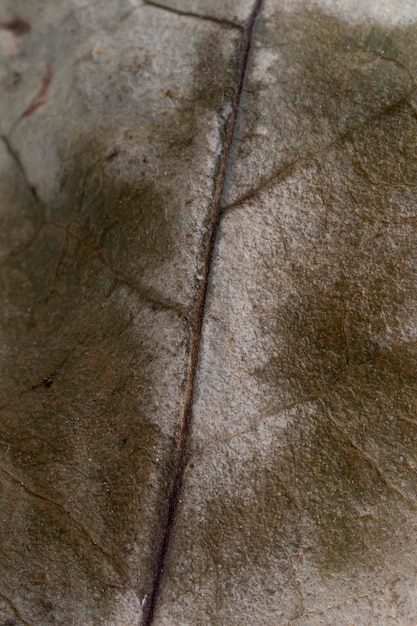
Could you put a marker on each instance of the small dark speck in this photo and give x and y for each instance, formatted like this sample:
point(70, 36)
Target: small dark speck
point(47, 381)
point(16, 78)
point(112, 154)
point(124, 440)
point(17, 26)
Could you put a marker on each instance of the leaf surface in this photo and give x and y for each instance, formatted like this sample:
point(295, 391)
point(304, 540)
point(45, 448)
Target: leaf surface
point(208, 268)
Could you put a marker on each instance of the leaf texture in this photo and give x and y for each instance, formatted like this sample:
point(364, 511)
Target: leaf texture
point(208, 304)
